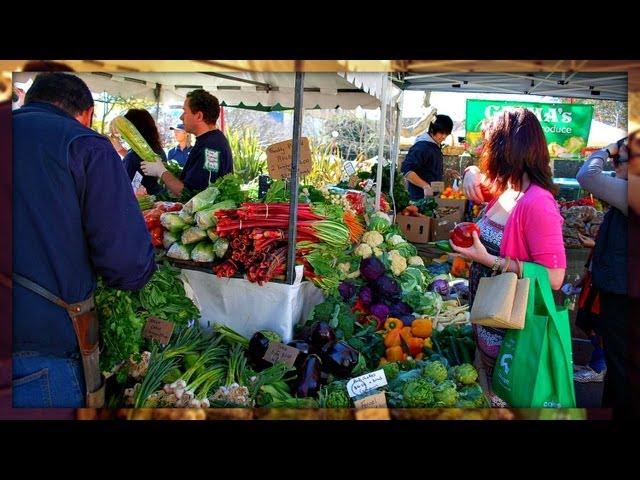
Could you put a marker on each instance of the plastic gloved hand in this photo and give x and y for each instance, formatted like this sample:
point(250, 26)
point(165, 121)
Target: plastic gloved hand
point(153, 169)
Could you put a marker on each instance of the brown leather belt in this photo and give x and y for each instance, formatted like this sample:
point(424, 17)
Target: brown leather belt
point(84, 318)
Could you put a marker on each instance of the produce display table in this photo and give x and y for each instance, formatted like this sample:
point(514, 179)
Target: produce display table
point(248, 307)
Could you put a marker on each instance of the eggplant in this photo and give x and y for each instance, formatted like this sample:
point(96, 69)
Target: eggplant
point(321, 335)
point(258, 346)
point(339, 358)
point(407, 320)
point(304, 332)
point(304, 348)
point(309, 381)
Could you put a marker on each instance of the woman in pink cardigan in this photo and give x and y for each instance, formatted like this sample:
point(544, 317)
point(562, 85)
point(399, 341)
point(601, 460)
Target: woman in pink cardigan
point(522, 222)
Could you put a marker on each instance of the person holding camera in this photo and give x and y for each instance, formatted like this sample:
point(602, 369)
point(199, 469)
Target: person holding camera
point(609, 269)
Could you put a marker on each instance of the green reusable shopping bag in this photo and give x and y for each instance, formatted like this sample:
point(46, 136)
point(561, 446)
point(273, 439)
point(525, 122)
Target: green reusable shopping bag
point(534, 368)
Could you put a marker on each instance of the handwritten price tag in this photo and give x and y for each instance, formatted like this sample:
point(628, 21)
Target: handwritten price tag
point(353, 181)
point(379, 400)
point(369, 185)
point(281, 353)
point(157, 329)
point(349, 168)
point(364, 383)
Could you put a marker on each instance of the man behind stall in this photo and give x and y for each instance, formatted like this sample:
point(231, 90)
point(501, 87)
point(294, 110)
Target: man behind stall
point(210, 157)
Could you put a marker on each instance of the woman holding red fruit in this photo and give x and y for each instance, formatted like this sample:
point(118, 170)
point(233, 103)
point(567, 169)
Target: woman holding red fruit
point(521, 222)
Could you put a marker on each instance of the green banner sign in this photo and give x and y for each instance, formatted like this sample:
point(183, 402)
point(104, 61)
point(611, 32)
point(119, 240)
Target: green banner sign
point(566, 126)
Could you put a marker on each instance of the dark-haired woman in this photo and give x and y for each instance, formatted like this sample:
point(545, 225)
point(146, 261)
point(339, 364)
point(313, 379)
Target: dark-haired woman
point(521, 224)
point(424, 163)
point(145, 124)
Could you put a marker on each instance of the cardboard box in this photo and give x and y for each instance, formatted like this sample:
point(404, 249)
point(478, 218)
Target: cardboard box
point(440, 228)
point(415, 229)
point(456, 215)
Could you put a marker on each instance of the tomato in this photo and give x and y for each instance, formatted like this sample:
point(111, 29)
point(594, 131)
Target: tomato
point(462, 234)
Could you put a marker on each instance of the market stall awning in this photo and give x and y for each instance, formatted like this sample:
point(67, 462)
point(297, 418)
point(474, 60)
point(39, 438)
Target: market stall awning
point(597, 86)
point(254, 90)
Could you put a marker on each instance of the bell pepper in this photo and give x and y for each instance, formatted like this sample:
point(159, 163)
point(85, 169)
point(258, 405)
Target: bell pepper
point(415, 345)
point(462, 234)
point(157, 235)
point(393, 323)
point(422, 327)
point(420, 356)
point(406, 333)
point(383, 361)
point(395, 354)
point(392, 338)
point(428, 344)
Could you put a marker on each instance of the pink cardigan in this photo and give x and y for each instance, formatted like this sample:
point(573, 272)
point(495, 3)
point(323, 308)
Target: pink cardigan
point(533, 232)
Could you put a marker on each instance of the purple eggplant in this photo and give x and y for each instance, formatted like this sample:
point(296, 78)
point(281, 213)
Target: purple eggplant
point(322, 334)
point(257, 348)
point(309, 381)
point(304, 348)
point(339, 358)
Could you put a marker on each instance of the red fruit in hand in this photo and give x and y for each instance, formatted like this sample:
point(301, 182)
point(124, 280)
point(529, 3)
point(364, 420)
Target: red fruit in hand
point(462, 234)
point(487, 196)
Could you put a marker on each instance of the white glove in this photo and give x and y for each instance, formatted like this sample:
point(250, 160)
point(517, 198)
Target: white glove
point(153, 169)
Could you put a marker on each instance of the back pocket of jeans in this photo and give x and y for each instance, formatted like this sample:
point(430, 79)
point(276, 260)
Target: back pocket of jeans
point(32, 391)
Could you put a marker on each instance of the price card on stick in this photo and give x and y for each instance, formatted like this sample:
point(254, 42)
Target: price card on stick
point(279, 157)
point(279, 352)
point(158, 329)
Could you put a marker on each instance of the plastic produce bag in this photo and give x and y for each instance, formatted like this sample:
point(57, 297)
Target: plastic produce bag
point(193, 235)
point(202, 200)
point(169, 239)
point(212, 234)
point(180, 251)
point(220, 247)
point(172, 222)
point(203, 252)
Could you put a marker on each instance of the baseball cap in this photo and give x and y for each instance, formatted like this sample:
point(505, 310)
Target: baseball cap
point(180, 126)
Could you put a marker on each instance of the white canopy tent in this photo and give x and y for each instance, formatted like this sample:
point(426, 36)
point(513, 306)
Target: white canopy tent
point(259, 90)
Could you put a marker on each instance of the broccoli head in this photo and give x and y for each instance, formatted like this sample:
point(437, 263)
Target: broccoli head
point(465, 374)
point(446, 394)
point(418, 393)
point(391, 370)
point(334, 395)
point(435, 371)
point(472, 396)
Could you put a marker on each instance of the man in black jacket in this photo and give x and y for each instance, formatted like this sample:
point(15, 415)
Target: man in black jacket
point(424, 163)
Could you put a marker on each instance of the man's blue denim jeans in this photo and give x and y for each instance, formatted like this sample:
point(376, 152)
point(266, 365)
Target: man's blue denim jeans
point(41, 381)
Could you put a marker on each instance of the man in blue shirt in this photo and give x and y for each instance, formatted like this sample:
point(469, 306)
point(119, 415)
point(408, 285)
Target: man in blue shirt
point(180, 152)
point(210, 157)
point(75, 216)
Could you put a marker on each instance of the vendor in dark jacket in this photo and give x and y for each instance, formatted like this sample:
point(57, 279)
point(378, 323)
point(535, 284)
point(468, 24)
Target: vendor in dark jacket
point(78, 218)
point(143, 121)
point(424, 162)
point(210, 157)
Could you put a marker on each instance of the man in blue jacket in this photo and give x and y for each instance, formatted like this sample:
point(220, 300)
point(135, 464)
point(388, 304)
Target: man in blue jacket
point(75, 216)
point(424, 163)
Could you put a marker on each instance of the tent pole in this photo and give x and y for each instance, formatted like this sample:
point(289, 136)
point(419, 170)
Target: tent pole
point(295, 160)
point(381, 132)
point(396, 148)
point(156, 93)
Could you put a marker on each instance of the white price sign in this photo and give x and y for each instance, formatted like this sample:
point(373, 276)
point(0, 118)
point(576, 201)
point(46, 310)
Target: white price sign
point(364, 383)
